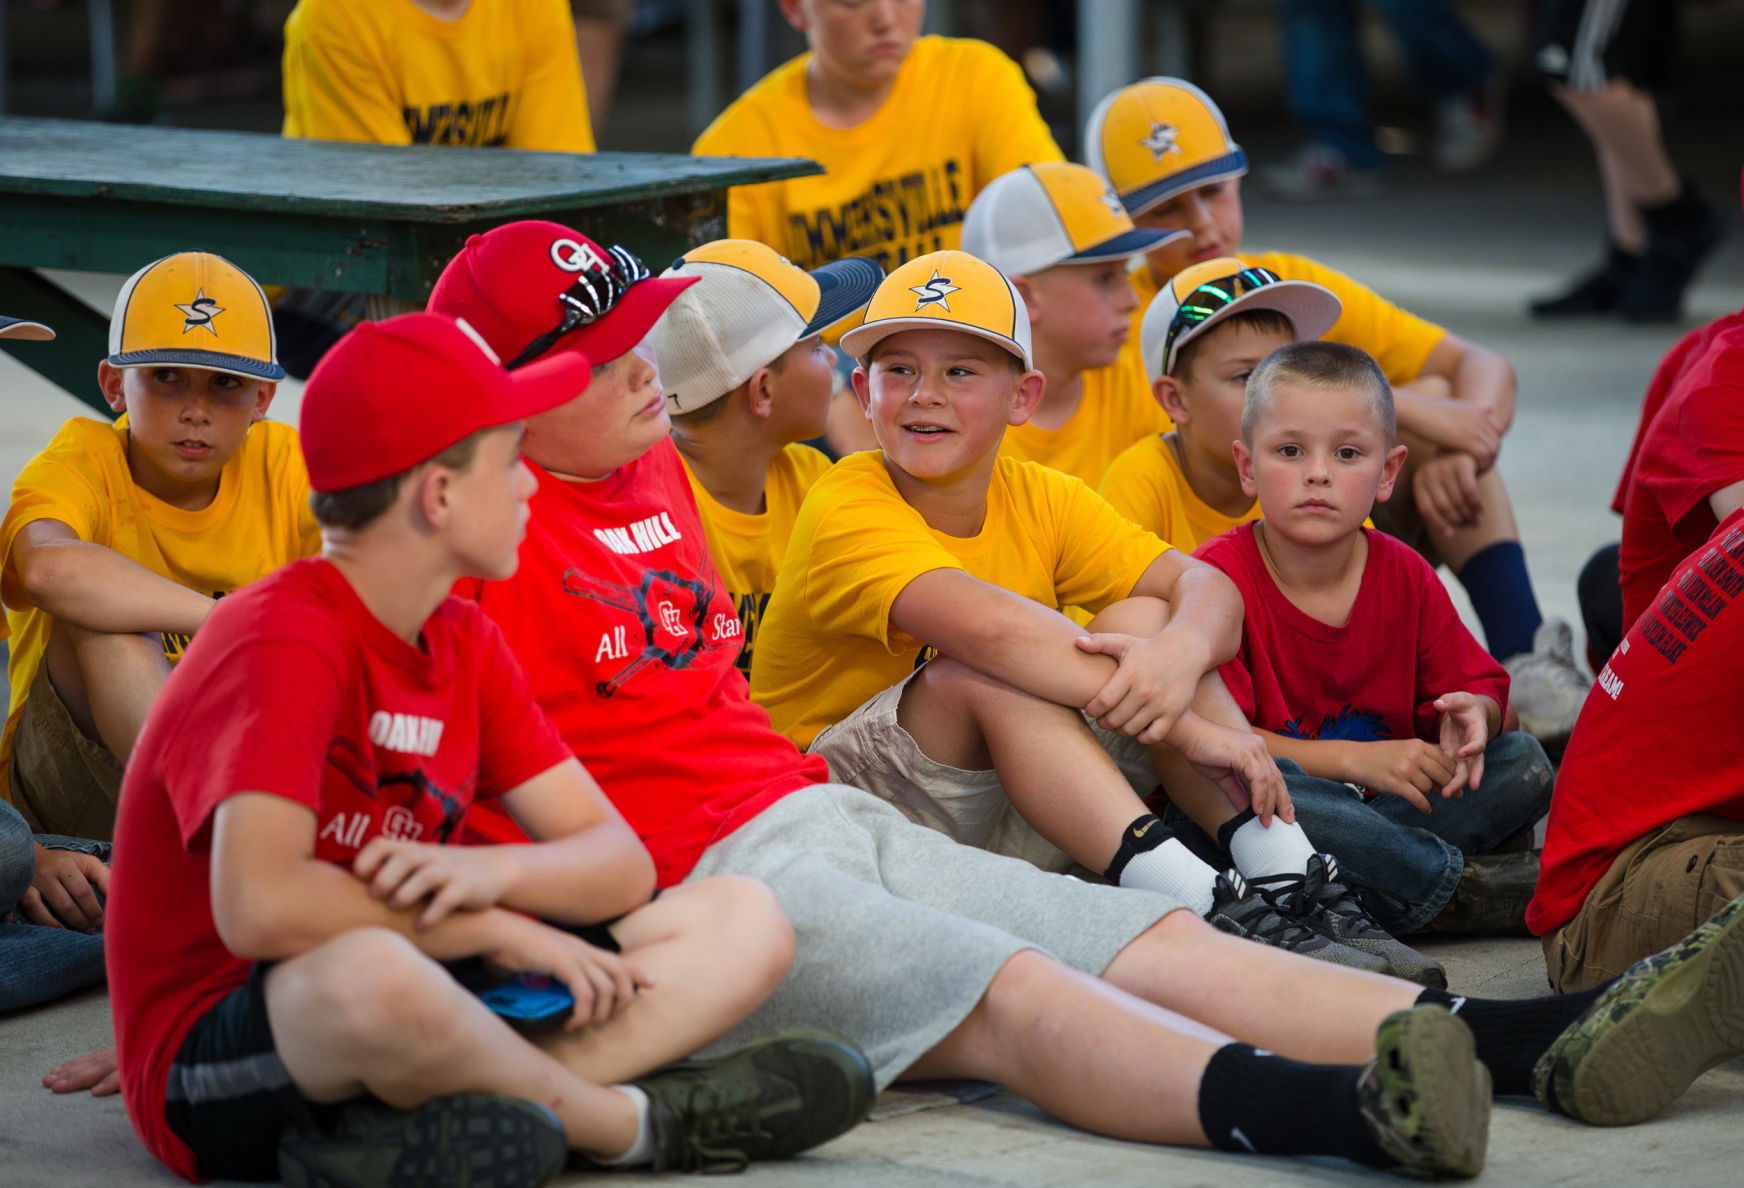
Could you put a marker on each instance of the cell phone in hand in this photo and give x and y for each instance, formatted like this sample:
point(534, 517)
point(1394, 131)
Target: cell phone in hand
point(531, 1002)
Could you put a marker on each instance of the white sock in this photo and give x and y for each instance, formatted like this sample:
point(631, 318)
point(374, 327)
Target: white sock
point(1171, 869)
point(642, 1150)
point(1280, 849)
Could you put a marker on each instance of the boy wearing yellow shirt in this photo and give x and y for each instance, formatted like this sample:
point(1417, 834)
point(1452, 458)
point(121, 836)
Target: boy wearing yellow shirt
point(747, 377)
point(1059, 232)
point(915, 641)
point(121, 537)
point(457, 72)
point(1165, 147)
point(1201, 338)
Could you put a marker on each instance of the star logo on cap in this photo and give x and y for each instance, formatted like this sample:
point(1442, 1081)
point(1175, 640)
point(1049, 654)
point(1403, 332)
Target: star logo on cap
point(200, 312)
point(934, 292)
point(1161, 140)
point(1112, 201)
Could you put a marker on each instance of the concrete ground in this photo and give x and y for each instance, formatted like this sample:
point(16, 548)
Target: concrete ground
point(1466, 252)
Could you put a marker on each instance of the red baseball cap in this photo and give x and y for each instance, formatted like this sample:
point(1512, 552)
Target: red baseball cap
point(391, 395)
point(532, 287)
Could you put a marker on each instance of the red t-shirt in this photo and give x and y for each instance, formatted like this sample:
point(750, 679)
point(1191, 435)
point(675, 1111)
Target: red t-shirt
point(1377, 676)
point(1688, 447)
point(294, 688)
point(1658, 738)
point(629, 637)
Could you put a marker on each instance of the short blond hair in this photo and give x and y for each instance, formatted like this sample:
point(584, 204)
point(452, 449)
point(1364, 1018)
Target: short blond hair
point(1324, 366)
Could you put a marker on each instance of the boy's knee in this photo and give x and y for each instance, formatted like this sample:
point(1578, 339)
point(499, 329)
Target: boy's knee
point(17, 857)
point(1142, 616)
point(1523, 756)
point(745, 915)
point(366, 987)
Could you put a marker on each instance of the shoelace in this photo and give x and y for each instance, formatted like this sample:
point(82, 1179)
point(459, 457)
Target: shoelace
point(718, 1121)
point(1278, 925)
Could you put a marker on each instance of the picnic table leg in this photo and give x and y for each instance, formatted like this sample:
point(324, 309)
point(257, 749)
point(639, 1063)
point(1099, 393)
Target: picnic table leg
point(81, 334)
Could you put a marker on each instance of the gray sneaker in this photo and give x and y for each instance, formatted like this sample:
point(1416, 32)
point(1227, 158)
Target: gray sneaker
point(478, 1139)
point(1548, 688)
point(1246, 911)
point(1425, 1097)
point(772, 1099)
point(1330, 908)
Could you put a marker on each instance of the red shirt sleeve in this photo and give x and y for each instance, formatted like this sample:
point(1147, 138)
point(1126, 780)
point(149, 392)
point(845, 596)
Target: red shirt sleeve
point(1704, 450)
point(1669, 371)
point(1449, 657)
point(516, 739)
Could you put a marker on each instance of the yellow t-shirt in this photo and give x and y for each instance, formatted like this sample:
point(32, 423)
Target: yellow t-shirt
point(1399, 341)
point(896, 186)
point(747, 549)
point(1116, 409)
point(828, 643)
point(258, 521)
point(386, 72)
point(1145, 484)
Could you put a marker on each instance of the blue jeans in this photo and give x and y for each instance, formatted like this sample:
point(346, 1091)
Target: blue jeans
point(1329, 83)
point(1408, 864)
point(38, 964)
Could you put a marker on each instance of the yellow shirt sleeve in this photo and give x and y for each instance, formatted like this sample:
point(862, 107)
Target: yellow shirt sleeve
point(863, 554)
point(1134, 486)
point(1399, 340)
point(57, 484)
point(338, 85)
point(1101, 554)
point(1009, 129)
point(550, 113)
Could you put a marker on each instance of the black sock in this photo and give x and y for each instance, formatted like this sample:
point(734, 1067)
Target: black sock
point(1267, 1105)
point(1146, 833)
point(1512, 1034)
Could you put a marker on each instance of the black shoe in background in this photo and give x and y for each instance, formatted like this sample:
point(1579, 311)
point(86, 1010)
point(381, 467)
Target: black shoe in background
point(1680, 237)
point(1598, 292)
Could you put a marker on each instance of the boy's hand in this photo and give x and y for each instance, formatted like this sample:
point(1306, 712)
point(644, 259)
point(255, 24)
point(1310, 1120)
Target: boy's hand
point(603, 984)
point(1465, 732)
point(1445, 490)
point(1238, 762)
point(452, 878)
point(1408, 768)
point(97, 1071)
point(64, 892)
point(1153, 683)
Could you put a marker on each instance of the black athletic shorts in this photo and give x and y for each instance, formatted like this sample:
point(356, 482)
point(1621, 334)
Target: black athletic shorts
point(229, 1097)
point(1587, 43)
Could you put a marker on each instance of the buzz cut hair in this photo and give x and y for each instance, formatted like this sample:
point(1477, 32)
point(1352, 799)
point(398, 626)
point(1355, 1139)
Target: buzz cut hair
point(1324, 366)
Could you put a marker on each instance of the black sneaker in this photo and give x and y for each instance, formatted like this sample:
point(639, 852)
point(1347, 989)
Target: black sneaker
point(477, 1139)
point(772, 1099)
point(1326, 905)
point(1595, 293)
point(1680, 237)
point(1245, 911)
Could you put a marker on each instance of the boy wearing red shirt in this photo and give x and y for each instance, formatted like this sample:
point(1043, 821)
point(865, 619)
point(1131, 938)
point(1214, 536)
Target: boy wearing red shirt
point(1355, 667)
point(1644, 838)
point(284, 895)
point(939, 959)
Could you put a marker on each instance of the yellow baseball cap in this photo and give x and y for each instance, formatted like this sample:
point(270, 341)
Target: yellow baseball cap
point(749, 306)
point(1052, 213)
point(945, 291)
point(196, 309)
point(1197, 298)
point(1157, 137)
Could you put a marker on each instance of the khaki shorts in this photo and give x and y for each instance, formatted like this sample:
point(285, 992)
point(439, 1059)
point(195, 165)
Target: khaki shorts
point(62, 782)
point(869, 749)
point(1659, 890)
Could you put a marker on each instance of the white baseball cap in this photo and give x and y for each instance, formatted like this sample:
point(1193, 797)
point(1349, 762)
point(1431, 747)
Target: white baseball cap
point(1197, 298)
point(749, 305)
point(1052, 213)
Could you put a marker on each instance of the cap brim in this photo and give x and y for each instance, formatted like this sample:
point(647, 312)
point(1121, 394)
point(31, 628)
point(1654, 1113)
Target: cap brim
point(1225, 168)
point(542, 385)
point(25, 330)
point(1125, 246)
point(210, 360)
point(628, 322)
point(859, 341)
point(1312, 310)
point(845, 287)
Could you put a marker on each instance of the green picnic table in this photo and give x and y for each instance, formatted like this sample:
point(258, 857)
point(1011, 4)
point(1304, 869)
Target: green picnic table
point(357, 218)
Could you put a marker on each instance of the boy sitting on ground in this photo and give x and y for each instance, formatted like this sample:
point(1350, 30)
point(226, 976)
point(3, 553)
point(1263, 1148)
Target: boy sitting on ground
point(915, 639)
point(1165, 146)
point(1059, 233)
point(942, 960)
point(120, 538)
point(748, 378)
point(284, 893)
point(1202, 336)
point(1381, 708)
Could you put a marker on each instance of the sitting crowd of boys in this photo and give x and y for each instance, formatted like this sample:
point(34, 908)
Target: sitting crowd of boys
point(1110, 683)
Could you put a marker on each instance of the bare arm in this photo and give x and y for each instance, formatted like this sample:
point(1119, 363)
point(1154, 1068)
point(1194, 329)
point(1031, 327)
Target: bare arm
point(96, 588)
point(1205, 610)
point(1477, 374)
point(1727, 500)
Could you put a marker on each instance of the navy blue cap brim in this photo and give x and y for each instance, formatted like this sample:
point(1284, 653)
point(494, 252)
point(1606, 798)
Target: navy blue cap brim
point(1125, 246)
point(211, 360)
point(25, 330)
point(845, 287)
point(1231, 165)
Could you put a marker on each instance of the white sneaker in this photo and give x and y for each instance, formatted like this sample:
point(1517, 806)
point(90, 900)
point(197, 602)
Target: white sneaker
point(1468, 129)
point(1317, 172)
point(1548, 688)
